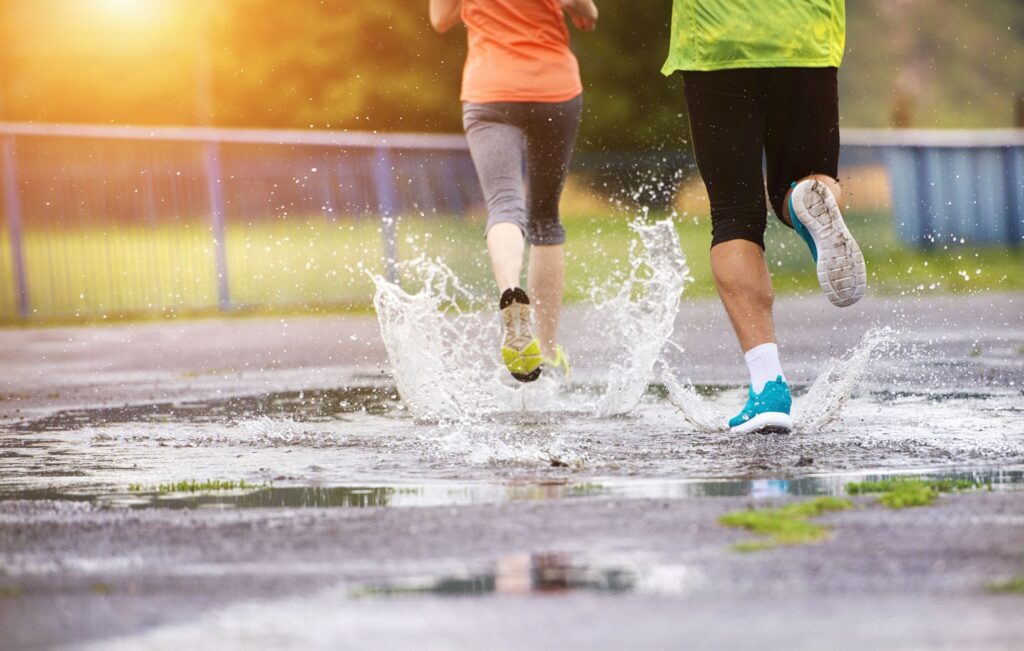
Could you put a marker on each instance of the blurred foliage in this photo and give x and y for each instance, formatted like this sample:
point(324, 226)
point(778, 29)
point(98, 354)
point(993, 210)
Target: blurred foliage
point(953, 63)
point(378, 65)
point(373, 65)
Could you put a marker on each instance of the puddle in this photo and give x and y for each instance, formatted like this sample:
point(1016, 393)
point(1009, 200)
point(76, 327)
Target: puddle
point(545, 573)
point(454, 493)
point(300, 406)
point(854, 418)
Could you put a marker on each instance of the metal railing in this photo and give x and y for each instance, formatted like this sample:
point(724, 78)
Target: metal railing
point(102, 220)
point(86, 206)
point(966, 185)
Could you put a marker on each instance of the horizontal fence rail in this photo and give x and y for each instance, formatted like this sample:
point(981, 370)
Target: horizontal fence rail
point(114, 220)
point(102, 220)
point(964, 185)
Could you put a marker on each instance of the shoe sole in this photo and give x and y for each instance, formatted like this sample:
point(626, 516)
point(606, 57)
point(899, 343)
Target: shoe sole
point(529, 377)
point(517, 309)
point(770, 422)
point(842, 273)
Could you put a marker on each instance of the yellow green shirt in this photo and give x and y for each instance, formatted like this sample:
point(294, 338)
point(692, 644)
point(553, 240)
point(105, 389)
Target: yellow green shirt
point(723, 34)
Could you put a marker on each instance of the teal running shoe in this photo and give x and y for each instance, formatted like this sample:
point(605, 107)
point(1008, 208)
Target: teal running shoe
point(766, 412)
point(842, 274)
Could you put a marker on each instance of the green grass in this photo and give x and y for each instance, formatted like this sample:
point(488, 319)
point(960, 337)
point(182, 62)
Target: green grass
point(9, 591)
point(101, 589)
point(787, 525)
point(194, 486)
point(1014, 585)
point(893, 268)
point(314, 265)
point(904, 492)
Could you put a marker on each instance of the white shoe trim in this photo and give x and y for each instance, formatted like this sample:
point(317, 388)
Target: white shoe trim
point(769, 419)
point(842, 273)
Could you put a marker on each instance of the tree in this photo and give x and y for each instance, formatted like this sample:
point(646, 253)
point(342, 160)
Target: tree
point(343, 65)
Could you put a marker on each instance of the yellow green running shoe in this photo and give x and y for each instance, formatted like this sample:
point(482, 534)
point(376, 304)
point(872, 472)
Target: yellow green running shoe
point(521, 350)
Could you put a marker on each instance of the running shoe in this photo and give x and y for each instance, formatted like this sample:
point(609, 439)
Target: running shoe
point(560, 363)
point(521, 350)
point(766, 412)
point(840, 264)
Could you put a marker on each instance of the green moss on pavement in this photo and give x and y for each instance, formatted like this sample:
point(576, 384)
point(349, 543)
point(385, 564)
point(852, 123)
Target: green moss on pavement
point(194, 486)
point(1013, 585)
point(904, 492)
point(787, 525)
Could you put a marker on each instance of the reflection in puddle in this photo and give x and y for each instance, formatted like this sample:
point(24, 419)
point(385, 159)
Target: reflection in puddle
point(361, 436)
point(457, 493)
point(521, 574)
point(316, 405)
point(301, 406)
point(312, 405)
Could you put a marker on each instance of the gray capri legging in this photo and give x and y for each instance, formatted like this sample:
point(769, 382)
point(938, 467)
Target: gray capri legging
point(499, 135)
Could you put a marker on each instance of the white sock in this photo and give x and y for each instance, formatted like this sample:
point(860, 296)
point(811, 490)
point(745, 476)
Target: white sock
point(763, 363)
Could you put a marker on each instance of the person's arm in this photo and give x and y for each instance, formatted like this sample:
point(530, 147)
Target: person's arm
point(582, 12)
point(445, 14)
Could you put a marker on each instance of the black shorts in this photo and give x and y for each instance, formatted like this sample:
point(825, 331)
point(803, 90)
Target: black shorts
point(791, 115)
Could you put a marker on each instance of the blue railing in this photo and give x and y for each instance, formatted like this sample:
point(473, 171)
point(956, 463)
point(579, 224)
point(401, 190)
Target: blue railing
point(96, 182)
point(951, 185)
point(111, 220)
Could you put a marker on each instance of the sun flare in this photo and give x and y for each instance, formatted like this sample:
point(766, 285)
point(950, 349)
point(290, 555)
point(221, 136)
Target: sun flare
point(131, 11)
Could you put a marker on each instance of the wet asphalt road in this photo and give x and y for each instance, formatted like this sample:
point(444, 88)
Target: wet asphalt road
point(595, 572)
point(46, 369)
point(302, 579)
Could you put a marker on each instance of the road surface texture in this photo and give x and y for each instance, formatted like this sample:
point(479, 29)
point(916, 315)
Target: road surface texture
point(559, 532)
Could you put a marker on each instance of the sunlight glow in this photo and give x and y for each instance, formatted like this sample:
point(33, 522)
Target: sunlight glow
point(131, 11)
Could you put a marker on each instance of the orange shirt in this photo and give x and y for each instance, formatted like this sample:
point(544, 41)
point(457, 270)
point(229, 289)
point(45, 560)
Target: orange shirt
point(518, 52)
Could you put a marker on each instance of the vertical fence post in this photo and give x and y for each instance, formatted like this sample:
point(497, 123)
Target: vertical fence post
point(12, 206)
point(450, 179)
point(923, 205)
point(1012, 157)
point(211, 153)
point(387, 202)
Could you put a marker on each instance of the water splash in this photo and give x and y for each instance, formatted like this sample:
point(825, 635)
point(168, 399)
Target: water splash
point(258, 432)
point(820, 408)
point(440, 369)
point(642, 314)
point(833, 388)
point(441, 338)
point(695, 410)
point(485, 444)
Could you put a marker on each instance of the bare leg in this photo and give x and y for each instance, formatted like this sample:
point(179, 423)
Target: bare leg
point(829, 182)
point(505, 243)
point(546, 280)
point(745, 287)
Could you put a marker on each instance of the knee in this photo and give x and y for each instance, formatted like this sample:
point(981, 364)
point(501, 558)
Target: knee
point(748, 228)
point(545, 229)
point(745, 289)
point(739, 269)
point(743, 219)
point(506, 208)
point(506, 199)
point(506, 205)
